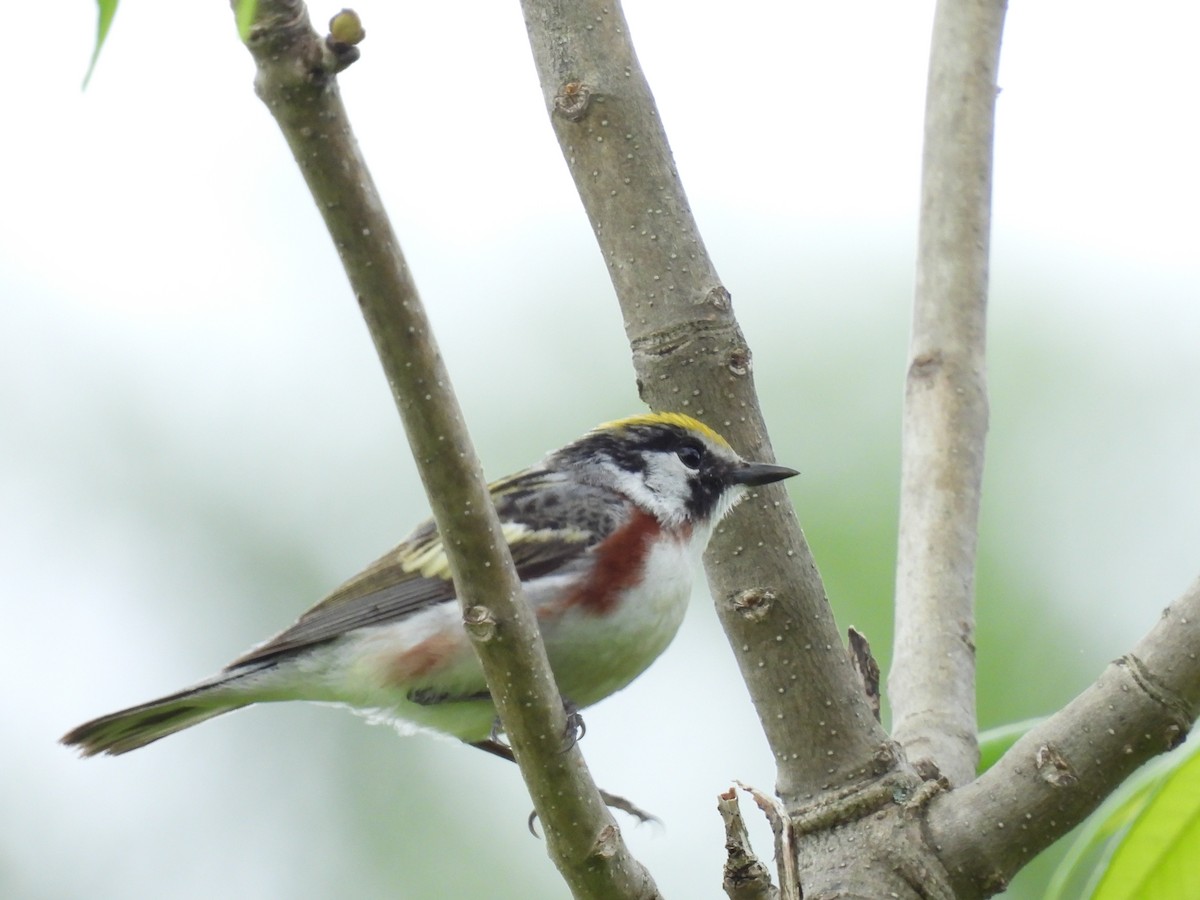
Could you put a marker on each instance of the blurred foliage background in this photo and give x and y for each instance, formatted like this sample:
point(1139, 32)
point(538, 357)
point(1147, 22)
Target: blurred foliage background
point(196, 443)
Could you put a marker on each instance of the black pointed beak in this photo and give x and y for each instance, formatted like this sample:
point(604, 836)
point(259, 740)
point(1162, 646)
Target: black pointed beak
point(754, 474)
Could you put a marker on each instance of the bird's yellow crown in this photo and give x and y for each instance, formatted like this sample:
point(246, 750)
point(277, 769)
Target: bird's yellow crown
point(679, 420)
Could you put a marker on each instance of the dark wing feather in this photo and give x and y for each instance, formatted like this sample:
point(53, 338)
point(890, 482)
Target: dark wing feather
point(549, 523)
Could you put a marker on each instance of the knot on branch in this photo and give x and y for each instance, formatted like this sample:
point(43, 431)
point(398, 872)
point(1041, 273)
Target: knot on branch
point(1053, 767)
point(739, 361)
point(480, 623)
point(718, 298)
point(925, 366)
point(573, 101)
point(607, 842)
point(753, 604)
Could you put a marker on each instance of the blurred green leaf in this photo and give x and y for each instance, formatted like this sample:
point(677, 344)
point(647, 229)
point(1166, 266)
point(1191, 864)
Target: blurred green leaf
point(995, 742)
point(107, 9)
point(246, 10)
point(1158, 854)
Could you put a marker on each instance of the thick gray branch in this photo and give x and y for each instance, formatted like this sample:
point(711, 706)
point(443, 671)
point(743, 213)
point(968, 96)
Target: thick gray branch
point(932, 682)
point(690, 356)
point(295, 80)
point(1143, 704)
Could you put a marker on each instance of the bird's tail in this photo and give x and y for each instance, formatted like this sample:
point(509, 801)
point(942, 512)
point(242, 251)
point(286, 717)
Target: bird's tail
point(129, 729)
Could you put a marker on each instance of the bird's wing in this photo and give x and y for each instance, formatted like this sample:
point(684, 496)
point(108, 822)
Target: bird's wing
point(547, 524)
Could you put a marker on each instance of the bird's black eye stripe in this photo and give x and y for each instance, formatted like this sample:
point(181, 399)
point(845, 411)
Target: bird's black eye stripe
point(691, 455)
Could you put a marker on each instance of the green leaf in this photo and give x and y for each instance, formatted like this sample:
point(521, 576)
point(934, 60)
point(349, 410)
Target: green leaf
point(995, 742)
point(246, 10)
point(1158, 855)
point(107, 9)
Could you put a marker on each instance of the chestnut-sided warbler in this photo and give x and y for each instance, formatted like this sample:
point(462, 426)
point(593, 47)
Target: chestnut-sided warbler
point(604, 533)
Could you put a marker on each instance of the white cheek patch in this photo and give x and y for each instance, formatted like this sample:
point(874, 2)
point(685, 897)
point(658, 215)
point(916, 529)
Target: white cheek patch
point(671, 482)
point(662, 489)
point(631, 485)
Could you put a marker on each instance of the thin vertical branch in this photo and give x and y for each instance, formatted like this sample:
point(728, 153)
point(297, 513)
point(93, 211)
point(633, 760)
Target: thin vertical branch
point(296, 81)
point(932, 682)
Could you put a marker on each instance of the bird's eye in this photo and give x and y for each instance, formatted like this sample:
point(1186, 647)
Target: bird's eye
point(690, 455)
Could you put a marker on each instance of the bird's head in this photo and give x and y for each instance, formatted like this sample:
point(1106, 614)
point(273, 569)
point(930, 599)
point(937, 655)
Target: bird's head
point(670, 465)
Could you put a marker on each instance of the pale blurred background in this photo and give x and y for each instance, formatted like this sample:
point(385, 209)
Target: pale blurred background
point(196, 442)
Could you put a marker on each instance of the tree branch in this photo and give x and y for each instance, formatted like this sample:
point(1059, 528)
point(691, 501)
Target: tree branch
point(1143, 704)
point(745, 877)
point(690, 355)
point(295, 80)
point(932, 681)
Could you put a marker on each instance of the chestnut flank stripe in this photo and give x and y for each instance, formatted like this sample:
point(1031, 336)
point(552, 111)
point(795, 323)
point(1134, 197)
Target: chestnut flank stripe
point(620, 559)
point(426, 657)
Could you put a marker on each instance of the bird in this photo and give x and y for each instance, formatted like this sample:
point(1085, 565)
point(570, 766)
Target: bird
point(605, 533)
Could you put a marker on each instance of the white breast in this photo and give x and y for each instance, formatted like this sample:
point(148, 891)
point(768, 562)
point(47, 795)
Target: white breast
point(594, 655)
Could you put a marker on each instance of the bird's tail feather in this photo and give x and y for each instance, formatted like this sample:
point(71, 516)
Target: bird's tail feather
point(137, 726)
